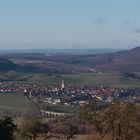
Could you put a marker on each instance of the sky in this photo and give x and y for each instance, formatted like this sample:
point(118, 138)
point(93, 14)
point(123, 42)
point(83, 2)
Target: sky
point(39, 24)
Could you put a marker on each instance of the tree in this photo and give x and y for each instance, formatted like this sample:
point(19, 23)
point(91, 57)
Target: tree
point(31, 128)
point(99, 118)
point(128, 122)
point(112, 112)
point(65, 127)
point(69, 130)
point(119, 120)
point(7, 128)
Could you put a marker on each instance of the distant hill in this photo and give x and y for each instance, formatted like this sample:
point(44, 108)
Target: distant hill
point(6, 64)
point(126, 60)
point(123, 61)
point(75, 51)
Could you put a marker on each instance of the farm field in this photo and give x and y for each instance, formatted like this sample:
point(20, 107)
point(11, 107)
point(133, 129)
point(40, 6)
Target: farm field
point(98, 79)
point(13, 102)
point(18, 102)
point(60, 108)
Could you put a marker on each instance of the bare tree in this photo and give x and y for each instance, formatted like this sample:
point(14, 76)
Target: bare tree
point(99, 118)
point(128, 122)
point(119, 120)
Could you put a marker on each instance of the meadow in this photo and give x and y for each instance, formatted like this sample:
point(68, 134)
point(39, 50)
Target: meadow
point(110, 79)
point(13, 102)
point(18, 102)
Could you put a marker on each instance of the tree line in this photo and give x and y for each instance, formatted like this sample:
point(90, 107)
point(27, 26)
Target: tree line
point(116, 120)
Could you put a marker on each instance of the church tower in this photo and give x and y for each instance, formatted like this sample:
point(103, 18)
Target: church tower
point(62, 85)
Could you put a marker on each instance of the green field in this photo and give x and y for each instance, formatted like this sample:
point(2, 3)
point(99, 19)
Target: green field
point(18, 102)
point(13, 102)
point(60, 108)
point(97, 79)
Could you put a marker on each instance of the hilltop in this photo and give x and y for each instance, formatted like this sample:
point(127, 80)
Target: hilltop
point(126, 60)
point(6, 64)
point(123, 61)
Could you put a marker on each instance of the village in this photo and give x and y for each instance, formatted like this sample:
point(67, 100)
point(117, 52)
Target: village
point(70, 95)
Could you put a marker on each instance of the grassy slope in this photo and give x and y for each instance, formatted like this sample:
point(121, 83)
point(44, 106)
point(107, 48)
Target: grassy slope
point(13, 102)
point(105, 79)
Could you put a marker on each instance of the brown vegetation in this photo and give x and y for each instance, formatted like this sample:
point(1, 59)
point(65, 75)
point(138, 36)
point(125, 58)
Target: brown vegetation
point(114, 121)
point(118, 120)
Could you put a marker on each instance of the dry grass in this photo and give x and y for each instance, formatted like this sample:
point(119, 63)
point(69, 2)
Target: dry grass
point(91, 137)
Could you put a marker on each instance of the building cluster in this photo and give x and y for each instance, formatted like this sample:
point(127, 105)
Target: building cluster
point(11, 87)
point(71, 94)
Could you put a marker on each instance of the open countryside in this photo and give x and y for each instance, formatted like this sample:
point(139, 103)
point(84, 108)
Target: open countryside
point(69, 70)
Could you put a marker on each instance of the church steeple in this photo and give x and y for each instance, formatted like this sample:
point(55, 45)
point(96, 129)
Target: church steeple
point(62, 85)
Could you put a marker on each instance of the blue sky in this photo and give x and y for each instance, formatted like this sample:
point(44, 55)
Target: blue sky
point(69, 24)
